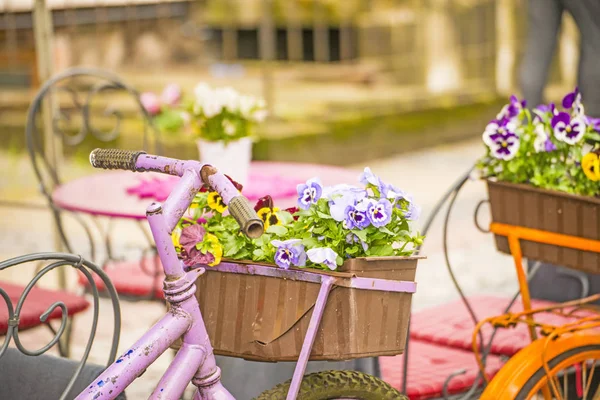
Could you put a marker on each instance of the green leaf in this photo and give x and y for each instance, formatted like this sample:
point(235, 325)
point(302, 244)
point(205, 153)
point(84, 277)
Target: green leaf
point(361, 234)
point(323, 215)
point(381, 251)
point(278, 230)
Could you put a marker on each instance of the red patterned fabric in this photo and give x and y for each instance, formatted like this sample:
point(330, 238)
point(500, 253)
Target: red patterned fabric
point(451, 325)
point(130, 279)
point(429, 367)
point(36, 303)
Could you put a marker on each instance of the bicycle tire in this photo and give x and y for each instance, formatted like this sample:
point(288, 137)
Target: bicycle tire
point(330, 385)
point(525, 370)
point(541, 373)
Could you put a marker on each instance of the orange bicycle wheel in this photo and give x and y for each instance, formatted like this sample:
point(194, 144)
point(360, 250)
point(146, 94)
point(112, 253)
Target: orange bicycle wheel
point(571, 371)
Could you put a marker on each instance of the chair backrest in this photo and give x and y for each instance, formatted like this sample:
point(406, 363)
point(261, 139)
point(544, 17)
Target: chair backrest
point(61, 375)
point(77, 114)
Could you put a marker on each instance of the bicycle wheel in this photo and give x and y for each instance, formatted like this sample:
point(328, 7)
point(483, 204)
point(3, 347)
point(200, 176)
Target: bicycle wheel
point(331, 385)
point(573, 371)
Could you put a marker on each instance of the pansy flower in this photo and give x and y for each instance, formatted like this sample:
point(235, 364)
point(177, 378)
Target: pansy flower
point(214, 247)
point(352, 238)
point(192, 236)
point(343, 197)
point(567, 129)
point(355, 219)
point(293, 210)
point(215, 202)
point(324, 256)
point(267, 212)
point(380, 213)
point(413, 211)
point(572, 101)
point(289, 252)
point(367, 177)
point(544, 113)
point(512, 109)
point(309, 193)
point(542, 142)
point(590, 163)
point(502, 140)
point(594, 123)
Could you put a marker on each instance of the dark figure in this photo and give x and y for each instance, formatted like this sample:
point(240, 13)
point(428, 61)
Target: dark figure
point(544, 19)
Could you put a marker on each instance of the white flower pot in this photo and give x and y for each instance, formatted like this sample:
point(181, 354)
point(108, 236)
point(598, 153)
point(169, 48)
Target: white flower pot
point(232, 158)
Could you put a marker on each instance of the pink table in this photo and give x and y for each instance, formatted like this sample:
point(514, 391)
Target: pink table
point(105, 193)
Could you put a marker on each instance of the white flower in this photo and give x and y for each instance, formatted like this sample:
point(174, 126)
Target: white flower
point(228, 127)
point(211, 107)
point(247, 105)
point(229, 98)
point(202, 91)
point(260, 115)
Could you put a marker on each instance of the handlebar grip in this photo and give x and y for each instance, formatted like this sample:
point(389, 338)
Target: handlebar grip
point(251, 225)
point(115, 159)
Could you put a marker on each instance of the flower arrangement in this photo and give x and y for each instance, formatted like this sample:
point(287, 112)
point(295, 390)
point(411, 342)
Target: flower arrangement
point(223, 114)
point(214, 114)
point(547, 147)
point(329, 225)
point(165, 110)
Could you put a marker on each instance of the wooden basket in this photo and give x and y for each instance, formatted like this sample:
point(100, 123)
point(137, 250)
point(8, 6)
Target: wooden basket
point(551, 211)
point(265, 318)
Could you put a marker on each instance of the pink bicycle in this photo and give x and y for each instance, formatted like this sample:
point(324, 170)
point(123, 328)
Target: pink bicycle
point(195, 360)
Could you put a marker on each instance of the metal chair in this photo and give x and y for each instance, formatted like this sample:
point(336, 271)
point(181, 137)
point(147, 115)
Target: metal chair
point(23, 374)
point(74, 95)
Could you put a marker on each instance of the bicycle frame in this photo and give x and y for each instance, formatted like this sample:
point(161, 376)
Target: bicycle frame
point(195, 360)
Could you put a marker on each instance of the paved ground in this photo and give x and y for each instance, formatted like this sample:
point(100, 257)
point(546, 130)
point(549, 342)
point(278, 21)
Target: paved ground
point(426, 174)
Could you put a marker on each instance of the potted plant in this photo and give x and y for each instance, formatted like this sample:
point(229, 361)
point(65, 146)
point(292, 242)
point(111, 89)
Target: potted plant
point(542, 172)
point(165, 110)
point(223, 122)
point(340, 231)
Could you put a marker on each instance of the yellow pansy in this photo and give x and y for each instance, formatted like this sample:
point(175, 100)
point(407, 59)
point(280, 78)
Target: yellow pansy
point(591, 166)
point(215, 202)
point(215, 248)
point(269, 216)
point(175, 236)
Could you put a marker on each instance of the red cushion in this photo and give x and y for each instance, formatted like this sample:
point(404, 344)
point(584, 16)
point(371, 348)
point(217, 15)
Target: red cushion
point(130, 279)
point(430, 365)
point(451, 325)
point(36, 303)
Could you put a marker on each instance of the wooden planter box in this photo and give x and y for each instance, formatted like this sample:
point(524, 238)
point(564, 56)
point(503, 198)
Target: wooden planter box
point(551, 211)
point(265, 318)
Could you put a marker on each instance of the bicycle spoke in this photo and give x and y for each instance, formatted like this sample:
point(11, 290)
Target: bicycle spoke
point(589, 382)
point(566, 383)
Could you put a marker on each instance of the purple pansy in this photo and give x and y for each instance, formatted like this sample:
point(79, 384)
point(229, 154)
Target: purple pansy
point(368, 177)
point(352, 238)
point(289, 252)
point(413, 212)
point(567, 129)
point(309, 193)
point(341, 197)
point(593, 122)
point(512, 109)
point(573, 101)
point(501, 138)
point(355, 219)
point(542, 142)
point(323, 255)
point(392, 193)
point(544, 112)
point(380, 213)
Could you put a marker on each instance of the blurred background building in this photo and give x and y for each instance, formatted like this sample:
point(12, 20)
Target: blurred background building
point(329, 69)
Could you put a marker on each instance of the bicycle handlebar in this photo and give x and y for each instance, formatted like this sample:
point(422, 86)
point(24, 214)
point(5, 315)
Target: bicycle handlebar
point(138, 161)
